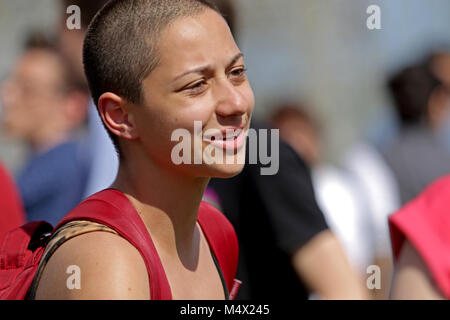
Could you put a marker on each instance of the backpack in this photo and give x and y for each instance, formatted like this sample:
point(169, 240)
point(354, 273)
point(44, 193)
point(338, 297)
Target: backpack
point(22, 248)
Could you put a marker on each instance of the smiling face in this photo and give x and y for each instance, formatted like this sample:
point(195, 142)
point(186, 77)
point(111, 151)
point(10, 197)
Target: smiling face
point(200, 77)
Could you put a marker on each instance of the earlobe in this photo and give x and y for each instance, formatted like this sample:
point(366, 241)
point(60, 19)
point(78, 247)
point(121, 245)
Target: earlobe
point(114, 114)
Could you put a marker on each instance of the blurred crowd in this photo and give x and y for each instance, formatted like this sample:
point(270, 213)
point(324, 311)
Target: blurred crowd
point(311, 232)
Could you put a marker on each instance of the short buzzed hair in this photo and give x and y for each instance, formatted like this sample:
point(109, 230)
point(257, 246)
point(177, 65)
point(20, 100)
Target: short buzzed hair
point(120, 48)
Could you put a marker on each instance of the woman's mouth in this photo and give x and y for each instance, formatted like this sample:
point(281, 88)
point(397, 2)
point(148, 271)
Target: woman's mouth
point(229, 139)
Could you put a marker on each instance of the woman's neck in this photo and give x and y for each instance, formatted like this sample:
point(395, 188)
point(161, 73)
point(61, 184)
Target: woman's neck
point(167, 203)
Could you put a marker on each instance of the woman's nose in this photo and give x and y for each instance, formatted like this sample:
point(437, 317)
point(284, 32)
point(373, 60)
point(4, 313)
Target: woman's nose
point(231, 101)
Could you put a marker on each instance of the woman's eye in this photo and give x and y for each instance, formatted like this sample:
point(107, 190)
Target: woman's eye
point(196, 87)
point(238, 73)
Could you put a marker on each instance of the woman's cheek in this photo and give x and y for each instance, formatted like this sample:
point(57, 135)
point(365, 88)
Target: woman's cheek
point(250, 98)
point(201, 110)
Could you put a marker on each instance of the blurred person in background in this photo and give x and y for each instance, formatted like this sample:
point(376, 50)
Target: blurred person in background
point(99, 148)
point(377, 185)
point(286, 249)
point(337, 194)
point(45, 107)
point(439, 62)
point(11, 208)
point(419, 230)
point(416, 155)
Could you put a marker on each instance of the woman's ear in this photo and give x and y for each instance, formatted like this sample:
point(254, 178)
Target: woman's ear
point(114, 113)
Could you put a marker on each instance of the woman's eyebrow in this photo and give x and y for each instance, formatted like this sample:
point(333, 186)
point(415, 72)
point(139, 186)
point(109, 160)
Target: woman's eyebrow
point(235, 59)
point(208, 67)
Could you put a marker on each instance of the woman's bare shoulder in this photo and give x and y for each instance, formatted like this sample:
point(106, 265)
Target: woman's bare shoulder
point(95, 266)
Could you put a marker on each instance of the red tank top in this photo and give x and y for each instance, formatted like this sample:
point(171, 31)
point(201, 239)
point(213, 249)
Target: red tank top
point(113, 209)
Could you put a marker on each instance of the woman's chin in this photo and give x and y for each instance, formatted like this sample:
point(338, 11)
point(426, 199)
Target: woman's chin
point(225, 171)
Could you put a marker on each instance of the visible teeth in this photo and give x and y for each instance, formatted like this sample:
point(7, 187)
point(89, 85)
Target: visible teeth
point(234, 134)
point(229, 135)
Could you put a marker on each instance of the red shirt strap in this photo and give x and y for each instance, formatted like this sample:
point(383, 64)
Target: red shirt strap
point(114, 210)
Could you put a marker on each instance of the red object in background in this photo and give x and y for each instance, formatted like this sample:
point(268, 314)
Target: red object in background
point(425, 222)
point(11, 209)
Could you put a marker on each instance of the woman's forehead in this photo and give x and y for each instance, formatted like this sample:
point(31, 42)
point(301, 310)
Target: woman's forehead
point(203, 38)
